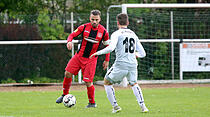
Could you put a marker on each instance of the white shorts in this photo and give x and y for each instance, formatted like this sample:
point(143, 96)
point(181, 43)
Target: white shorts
point(117, 72)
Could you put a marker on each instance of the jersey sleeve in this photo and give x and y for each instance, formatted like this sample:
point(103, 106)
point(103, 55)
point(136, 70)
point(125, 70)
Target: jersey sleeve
point(106, 36)
point(106, 42)
point(140, 50)
point(111, 47)
point(77, 32)
point(107, 57)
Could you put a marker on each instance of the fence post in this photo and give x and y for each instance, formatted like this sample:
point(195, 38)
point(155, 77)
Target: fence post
point(172, 45)
point(72, 30)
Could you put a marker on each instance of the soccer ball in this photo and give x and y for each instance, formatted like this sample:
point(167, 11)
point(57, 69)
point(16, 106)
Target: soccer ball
point(69, 100)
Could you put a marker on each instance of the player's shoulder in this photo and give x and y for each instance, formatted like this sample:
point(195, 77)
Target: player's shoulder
point(82, 26)
point(131, 32)
point(102, 27)
point(117, 32)
point(87, 24)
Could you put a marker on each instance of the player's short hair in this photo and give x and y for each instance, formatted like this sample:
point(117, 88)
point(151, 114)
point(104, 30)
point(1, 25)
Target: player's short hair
point(95, 12)
point(122, 18)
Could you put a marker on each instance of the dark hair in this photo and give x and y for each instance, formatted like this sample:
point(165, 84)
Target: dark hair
point(122, 18)
point(95, 12)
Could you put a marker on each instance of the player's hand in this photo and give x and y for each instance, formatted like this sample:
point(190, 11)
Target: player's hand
point(105, 64)
point(69, 45)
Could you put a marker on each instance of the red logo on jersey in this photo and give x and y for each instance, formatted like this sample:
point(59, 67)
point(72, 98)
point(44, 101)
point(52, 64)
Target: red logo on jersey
point(100, 35)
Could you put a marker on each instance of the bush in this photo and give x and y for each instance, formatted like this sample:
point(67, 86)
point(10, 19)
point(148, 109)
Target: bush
point(50, 28)
point(40, 80)
point(9, 80)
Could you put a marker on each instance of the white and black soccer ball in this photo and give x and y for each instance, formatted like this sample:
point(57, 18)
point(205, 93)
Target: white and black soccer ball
point(69, 100)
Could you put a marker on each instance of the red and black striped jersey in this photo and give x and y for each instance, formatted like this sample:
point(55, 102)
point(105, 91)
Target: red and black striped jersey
point(88, 48)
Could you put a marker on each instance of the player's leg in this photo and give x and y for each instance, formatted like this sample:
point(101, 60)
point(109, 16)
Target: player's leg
point(139, 96)
point(88, 74)
point(71, 68)
point(111, 96)
point(91, 94)
point(66, 86)
point(114, 75)
point(132, 78)
point(67, 82)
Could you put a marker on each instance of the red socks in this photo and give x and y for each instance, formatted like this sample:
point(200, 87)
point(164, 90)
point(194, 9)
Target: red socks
point(66, 85)
point(91, 94)
point(90, 90)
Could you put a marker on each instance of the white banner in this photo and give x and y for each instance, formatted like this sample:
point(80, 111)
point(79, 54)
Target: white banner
point(195, 57)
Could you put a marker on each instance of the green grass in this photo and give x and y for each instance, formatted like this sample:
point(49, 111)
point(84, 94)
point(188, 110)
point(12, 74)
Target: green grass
point(171, 102)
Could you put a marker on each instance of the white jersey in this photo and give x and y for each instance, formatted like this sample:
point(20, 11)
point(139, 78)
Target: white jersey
point(126, 44)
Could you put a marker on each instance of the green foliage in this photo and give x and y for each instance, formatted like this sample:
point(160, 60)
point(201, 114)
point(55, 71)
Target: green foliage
point(8, 80)
point(8, 5)
point(34, 80)
point(40, 80)
point(86, 6)
point(50, 29)
point(98, 78)
point(161, 64)
point(31, 7)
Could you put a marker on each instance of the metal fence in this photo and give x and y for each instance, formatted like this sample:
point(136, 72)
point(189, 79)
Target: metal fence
point(37, 62)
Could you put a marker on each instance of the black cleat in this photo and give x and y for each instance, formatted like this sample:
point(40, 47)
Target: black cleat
point(91, 105)
point(60, 99)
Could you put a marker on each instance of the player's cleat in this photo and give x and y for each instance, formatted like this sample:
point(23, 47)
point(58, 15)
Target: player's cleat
point(91, 105)
point(116, 109)
point(144, 109)
point(60, 99)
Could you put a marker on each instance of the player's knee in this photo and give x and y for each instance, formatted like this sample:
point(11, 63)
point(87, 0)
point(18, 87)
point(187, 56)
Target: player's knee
point(133, 84)
point(88, 84)
point(106, 82)
point(68, 74)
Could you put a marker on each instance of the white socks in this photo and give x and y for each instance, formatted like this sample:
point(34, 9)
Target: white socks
point(138, 93)
point(111, 94)
point(136, 90)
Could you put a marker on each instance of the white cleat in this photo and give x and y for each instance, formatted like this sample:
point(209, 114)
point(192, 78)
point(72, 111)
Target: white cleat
point(144, 109)
point(116, 109)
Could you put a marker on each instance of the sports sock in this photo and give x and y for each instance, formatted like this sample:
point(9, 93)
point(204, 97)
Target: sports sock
point(91, 94)
point(111, 94)
point(66, 85)
point(138, 93)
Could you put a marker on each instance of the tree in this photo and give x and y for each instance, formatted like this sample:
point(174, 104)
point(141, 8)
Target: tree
point(50, 28)
point(8, 5)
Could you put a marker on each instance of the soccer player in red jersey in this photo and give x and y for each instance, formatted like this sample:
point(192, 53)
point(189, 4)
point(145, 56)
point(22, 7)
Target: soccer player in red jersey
point(92, 35)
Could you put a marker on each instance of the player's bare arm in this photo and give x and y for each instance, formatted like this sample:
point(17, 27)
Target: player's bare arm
point(105, 64)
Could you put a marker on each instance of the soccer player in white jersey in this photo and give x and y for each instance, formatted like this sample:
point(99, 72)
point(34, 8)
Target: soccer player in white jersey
point(127, 48)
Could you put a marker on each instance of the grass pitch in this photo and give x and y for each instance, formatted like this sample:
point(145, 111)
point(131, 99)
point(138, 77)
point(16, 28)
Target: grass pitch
point(169, 102)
